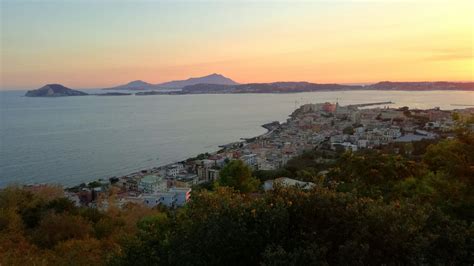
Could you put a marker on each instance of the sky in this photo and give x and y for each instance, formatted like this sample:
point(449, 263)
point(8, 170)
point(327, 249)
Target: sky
point(97, 44)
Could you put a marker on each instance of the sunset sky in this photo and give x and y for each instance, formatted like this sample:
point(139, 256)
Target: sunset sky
point(93, 44)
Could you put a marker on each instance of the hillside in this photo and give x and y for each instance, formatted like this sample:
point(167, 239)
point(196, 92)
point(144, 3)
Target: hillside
point(423, 86)
point(54, 90)
point(292, 87)
point(397, 206)
point(210, 79)
point(139, 85)
point(136, 85)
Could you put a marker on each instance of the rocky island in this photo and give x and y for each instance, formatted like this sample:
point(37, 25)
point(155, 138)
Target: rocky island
point(54, 90)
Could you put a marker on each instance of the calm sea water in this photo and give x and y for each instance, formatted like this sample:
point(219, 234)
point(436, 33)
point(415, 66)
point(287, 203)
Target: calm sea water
point(79, 139)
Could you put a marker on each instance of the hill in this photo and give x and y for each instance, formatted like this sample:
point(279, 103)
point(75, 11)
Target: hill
point(422, 86)
point(136, 85)
point(209, 79)
point(54, 90)
point(292, 87)
point(175, 84)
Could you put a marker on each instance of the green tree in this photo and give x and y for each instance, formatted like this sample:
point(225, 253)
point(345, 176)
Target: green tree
point(455, 157)
point(348, 130)
point(239, 176)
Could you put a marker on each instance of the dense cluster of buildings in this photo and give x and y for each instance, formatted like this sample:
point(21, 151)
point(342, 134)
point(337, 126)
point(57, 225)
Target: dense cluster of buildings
point(309, 127)
point(342, 127)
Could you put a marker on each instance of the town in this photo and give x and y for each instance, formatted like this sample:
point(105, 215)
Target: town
point(325, 126)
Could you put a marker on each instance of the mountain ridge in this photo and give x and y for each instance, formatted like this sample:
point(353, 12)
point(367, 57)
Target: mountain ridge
point(293, 87)
point(176, 84)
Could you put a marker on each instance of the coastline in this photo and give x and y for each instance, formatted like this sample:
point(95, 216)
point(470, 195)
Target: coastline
point(270, 128)
point(156, 169)
point(111, 170)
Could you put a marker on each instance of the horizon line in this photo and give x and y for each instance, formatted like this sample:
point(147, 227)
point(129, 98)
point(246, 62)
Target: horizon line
point(343, 83)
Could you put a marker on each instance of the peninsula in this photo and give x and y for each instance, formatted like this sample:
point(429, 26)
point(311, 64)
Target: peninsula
point(303, 86)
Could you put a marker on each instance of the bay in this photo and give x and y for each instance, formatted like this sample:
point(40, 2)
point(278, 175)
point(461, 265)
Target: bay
point(72, 140)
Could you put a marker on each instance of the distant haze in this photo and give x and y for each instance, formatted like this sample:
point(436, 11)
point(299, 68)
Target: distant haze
point(101, 44)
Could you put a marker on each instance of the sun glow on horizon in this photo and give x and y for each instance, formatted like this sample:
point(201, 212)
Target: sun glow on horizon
point(101, 44)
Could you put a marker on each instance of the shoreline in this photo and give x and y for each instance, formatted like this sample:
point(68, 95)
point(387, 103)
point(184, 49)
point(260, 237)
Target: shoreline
point(270, 127)
point(156, 169)
point(179, 92)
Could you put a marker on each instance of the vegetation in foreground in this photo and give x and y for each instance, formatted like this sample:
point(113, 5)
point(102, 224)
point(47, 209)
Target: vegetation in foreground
point(414, 206)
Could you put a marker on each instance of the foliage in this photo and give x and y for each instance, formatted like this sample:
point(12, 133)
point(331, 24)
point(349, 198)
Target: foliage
point(375, 207)
point(40, 227)
point(348, 130)
point(239, 176)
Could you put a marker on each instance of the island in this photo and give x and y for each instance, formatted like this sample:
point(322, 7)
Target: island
point(54, 90)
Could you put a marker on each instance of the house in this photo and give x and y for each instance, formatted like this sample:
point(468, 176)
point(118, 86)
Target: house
point(432, 125)
point(249, 159)
point(152, 184)
point(173, 170)
point(166, 198)
point(362, 143)
point(346, 145)
point(190, 179)
point(329, 107)
point(131, 184)
point(212, 174)
point(413, 137)
point(182, 195)
point(206, 174)
point(174, 197)
point(425, 133)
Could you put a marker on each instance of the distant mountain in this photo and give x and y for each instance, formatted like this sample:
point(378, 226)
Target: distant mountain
point(176, 84)
point(276, 87)
point(210, 79)
point(136, 85)
point(208, 88)
point(54, 90)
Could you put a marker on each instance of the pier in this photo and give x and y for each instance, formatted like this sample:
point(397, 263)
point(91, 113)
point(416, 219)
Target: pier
point(369, 104)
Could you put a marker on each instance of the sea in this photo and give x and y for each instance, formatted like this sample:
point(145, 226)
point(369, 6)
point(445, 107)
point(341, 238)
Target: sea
point(72, 140)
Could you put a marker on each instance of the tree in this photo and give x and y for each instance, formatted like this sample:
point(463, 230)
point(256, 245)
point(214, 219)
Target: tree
point(55, 228)
point(348, 130)
point(454, 157)
point(239, 176)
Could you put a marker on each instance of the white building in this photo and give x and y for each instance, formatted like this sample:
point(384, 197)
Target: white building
point(173, 170)
point(362, 143)
point(152, 184)
point(249, 159)
point(174, 197)
point(165, 198)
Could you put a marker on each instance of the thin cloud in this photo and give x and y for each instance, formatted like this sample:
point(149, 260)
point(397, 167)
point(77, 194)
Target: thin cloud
point(450, 55)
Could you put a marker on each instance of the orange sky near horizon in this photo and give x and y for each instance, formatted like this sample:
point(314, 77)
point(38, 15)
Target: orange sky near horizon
point(94, 44)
